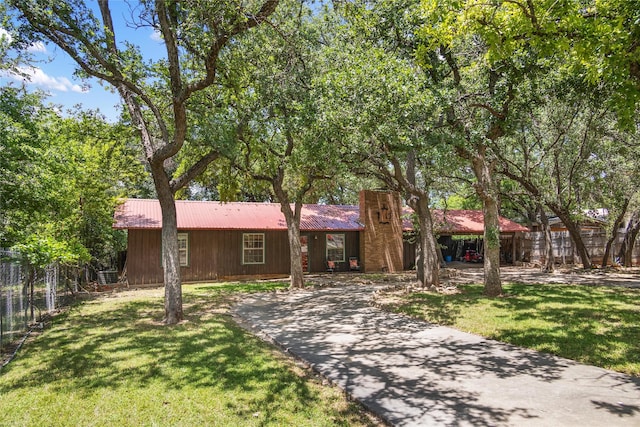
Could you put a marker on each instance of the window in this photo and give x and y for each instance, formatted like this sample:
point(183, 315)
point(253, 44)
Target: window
point(253, 248)
point(183, 249)
point(335, 247)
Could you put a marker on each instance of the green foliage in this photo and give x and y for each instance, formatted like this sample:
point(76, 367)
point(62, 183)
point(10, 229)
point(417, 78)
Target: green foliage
point(60, 181)
point(158, 93)
point(568, 153)
point(320, 96)
point(594, 40)
point(274, 135)
point(382, 103)
point(102, 166)
point(39, 251)
point(460, 200)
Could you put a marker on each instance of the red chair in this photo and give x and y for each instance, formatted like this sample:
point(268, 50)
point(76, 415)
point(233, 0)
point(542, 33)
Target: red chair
point(331, 266)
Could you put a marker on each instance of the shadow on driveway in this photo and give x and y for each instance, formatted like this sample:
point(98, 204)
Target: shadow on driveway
point(413, 373)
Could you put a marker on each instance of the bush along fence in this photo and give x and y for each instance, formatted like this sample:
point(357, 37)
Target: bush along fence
point(23, 305)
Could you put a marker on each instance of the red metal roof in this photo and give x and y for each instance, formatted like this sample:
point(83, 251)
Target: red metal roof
point(193, 215)
point(469, 222)
point(146, 214)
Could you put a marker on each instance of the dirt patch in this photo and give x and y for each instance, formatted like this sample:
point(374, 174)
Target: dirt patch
point(10, 350)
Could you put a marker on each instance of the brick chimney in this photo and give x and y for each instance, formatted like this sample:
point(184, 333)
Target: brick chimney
point(381, 245)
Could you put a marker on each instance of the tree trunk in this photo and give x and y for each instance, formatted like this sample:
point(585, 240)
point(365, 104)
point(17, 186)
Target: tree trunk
point(430, 266)
point(170, 255)
point(292, 217)
point(549, 257)
point(32, 300)
point(614, 233)
point(487, 190)
point(427, 265)
point(630, 235)
point(607, 249)
point(25, 295)
point(628, 255)
point(492, 282)
point(295, 248)
point(576, 237)
point(418, 260)
point(441, 260)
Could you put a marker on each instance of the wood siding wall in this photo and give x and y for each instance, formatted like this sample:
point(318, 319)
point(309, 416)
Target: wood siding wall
point(143, 257)
point(217, 255)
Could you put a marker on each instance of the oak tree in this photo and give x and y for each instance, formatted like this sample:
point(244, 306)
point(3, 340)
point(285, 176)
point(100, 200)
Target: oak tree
point(156, 92)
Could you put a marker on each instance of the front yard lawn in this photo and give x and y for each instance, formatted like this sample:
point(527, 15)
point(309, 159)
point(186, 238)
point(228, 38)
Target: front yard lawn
point(109, 362)
point(594, 325)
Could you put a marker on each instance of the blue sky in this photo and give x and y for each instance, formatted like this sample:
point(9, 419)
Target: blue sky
point(53, 70)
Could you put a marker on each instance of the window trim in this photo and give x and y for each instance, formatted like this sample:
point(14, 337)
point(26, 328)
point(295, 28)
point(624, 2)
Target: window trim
point(344, 244)
point(187, 249)
point(244, 248)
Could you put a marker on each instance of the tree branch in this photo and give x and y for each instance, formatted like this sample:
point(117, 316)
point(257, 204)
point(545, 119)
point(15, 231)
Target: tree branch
point(495, 113)
point(195, 170)
point(268, 7)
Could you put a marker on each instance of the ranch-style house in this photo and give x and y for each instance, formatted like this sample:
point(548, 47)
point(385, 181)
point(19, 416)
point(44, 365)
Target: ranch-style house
point(235, 240)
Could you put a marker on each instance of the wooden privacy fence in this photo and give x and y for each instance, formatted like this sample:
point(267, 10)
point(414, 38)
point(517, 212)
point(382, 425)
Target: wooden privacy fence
point(563, 248)
point(15, 307)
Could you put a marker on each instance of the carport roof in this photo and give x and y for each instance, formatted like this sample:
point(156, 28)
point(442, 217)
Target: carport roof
point(197, 215)
point(469, 222)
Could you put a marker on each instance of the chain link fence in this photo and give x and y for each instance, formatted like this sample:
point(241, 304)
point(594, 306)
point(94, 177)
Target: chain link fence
point(19, 307)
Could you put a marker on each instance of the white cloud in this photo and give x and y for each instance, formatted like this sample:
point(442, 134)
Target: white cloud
point(36, 77)
point(5, 37)
point(156, 36)
point(37, 47)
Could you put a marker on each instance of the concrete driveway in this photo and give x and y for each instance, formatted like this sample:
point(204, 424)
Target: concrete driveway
point(412, 373)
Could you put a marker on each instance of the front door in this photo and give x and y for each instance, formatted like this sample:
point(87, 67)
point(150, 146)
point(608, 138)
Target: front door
point(304, 244)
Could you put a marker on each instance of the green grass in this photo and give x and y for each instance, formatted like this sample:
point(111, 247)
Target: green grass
point(109, 361)
point(594, 325)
